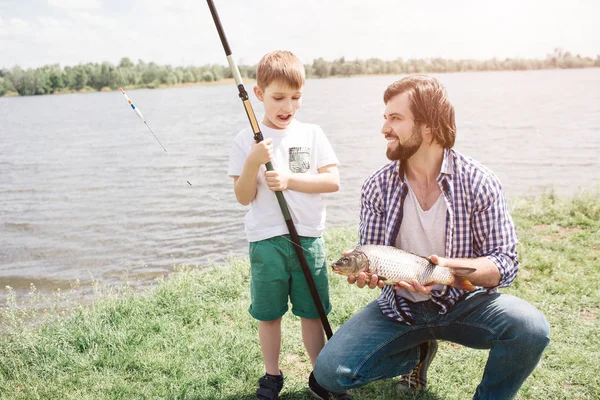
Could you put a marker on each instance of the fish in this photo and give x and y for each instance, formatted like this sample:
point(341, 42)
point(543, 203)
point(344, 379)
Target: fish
point(393, 265)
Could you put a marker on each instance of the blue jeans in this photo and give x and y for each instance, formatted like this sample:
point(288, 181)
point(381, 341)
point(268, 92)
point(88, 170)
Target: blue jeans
point(371, 346)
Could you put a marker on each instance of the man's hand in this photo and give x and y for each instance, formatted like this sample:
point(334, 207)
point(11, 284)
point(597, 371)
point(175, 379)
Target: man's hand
point(442, 261)
point(479, 271)
point(362, 280)
point(277, 180)
point(415, 287)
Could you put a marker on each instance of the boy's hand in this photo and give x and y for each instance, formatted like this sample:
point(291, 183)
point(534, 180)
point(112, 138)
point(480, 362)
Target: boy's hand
point(277, 180)
point(260, 153)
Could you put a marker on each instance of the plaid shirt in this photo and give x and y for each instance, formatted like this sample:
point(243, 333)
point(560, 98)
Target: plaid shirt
point(478, 223)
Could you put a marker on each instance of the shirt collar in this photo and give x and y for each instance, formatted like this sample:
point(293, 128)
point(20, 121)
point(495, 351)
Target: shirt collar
point(447, 163)
point(446, 170)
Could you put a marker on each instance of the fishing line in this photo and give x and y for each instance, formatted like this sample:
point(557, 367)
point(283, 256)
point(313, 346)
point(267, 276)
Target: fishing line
point(138, 112)
point(219, 200)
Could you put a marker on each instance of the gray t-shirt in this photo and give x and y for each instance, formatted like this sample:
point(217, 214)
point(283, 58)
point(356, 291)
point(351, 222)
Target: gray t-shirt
point(422, 233)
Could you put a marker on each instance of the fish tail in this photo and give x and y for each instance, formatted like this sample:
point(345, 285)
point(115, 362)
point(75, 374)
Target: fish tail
point(462, 283)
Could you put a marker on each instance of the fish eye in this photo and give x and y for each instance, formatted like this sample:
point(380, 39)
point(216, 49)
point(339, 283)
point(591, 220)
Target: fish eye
point(345, 260)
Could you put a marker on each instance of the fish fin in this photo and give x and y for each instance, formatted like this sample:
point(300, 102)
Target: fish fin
point(382, 278)
point(461, 271)
point(462, 283)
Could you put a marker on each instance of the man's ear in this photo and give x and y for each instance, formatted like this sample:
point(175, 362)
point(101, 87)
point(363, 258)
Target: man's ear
point(426, 132)
point(425, 129)
point(258, 92)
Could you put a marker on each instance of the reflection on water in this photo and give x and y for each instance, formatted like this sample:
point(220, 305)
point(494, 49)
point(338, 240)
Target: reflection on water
point(87, 193)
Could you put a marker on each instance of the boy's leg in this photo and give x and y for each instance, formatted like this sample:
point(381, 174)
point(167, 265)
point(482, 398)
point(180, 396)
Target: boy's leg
point(313, 337)
point(368, 347)
point(269, 279)
point(269, 335)
point(269, 287)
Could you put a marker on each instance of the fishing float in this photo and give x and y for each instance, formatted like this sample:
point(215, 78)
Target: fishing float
point(139, 114)
point(258, 137)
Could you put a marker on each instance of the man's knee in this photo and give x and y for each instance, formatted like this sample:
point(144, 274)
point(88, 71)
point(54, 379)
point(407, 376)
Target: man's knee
point(532, 329)
point(539, 333)
point(329, 373)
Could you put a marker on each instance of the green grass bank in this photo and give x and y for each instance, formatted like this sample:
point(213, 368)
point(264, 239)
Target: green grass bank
point(191, 337)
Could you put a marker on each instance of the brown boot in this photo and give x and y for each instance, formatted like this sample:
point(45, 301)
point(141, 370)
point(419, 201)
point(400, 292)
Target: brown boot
point(416, 379)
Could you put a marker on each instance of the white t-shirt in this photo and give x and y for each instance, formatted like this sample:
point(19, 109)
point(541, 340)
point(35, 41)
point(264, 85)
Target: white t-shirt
point(300, 148)
point(422, 233)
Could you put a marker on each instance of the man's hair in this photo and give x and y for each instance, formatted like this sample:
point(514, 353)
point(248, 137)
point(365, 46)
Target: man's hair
point(282, 66)
point(429, 105)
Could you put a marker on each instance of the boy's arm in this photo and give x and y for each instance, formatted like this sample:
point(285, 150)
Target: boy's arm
point(245, 185)
point(326, 181)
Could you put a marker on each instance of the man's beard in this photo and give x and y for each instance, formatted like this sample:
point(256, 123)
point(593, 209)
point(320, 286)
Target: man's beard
point(404, 151)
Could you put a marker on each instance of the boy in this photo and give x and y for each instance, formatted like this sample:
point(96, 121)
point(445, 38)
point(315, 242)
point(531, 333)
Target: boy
point(305, 166)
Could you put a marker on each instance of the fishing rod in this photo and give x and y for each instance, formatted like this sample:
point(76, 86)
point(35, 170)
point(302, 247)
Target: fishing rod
point(258, 137)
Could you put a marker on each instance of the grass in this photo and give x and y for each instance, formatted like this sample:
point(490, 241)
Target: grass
point(191, 337)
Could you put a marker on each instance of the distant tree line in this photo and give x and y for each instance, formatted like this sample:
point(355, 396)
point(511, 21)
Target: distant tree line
point(93, 76)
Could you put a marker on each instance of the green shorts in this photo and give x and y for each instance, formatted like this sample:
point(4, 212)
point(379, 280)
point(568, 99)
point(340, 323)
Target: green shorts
point(276, 274)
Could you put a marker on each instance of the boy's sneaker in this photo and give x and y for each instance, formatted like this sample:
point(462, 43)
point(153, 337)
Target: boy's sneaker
point(269, 387)
point(416, 379)
point(320, 392)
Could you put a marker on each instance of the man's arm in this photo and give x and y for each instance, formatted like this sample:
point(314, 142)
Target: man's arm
point(371, 228)
point(326, 181)
point(494, 235)
point(486, 272)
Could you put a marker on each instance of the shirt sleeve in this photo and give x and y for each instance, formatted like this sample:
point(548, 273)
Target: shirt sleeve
point(371, 228)
point(326, 154)
point(237, 157)
point(494, 233)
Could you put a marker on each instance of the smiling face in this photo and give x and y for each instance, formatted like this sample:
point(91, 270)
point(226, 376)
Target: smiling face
point(404, 137)
point(281, 102)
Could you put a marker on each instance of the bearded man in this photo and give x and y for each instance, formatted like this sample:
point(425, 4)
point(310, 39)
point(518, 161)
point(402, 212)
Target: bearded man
point(433, 201)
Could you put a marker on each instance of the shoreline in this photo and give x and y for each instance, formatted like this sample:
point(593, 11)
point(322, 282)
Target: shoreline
point(40, 295)
point(132, 87)
point(228, 81)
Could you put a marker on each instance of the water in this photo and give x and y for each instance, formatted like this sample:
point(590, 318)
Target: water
point(86, 193)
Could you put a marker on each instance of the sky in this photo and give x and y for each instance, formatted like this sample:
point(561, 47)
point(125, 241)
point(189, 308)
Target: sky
point(181, 32)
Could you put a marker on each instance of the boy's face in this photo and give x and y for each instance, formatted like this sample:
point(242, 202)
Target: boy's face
point(281, 103)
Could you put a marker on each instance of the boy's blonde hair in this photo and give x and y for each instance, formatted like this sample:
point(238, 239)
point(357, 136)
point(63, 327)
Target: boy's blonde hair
point(282, 66)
